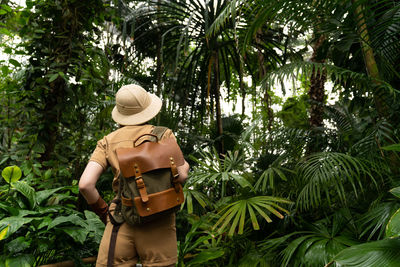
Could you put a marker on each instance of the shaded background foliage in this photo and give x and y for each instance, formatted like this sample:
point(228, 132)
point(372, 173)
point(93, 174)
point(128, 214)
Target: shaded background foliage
point(327, 168)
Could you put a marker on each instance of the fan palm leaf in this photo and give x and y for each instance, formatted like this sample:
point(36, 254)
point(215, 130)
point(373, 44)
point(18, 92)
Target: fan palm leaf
point(322, 172)
point(234, 215)
point(314, 246)
point(191, 194)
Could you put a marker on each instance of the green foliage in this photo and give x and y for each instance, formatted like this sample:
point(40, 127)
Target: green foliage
point(235, 213)
point(294, 112)
point(11, 174)
point(377, 253)
point(63, 61)
point(393, 226)
point(33, 223)
point(323, 172)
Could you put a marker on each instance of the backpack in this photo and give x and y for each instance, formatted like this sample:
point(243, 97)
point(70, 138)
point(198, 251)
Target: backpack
point(148, 186)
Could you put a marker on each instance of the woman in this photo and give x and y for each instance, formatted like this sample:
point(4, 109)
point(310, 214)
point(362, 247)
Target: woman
point(154, 243)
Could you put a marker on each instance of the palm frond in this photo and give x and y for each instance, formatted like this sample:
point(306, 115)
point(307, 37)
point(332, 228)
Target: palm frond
point(192, 194)
point(377, 253)
point(268, 177)
point(326, 171)
point(229, 13)
point(359, 81)
point(234, 215)
point(375, 220)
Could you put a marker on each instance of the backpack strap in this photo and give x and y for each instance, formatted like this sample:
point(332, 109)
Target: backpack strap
point(159, 131)
point(113, 241)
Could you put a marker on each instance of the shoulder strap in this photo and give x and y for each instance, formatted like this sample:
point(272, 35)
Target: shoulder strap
point(159, 131)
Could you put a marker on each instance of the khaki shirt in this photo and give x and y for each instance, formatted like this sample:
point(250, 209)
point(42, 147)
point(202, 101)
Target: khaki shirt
point(105, 155)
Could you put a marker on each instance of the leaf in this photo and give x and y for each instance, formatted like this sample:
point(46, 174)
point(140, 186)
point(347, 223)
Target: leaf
point(3, 233)
point(207, 255)
point(395, 147)
point(6, 8)
point(27, 191)
point(47, 174)
point(243, 182)
point(72, 219)
point(94, 225)
point(17, 245)
point(14, 62)
point(393, 226)
point(14, 223)
point(45, 222)
point(44, 194)
point(377, 253)
point(2, 12)
point(5, 71)
point(77, 233)
point(25, 260)
point(11, 210)
point(235, 213)
point(53, 77)
point(11, 174)
point(395, 191)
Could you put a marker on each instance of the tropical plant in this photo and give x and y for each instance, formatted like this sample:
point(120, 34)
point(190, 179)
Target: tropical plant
point(316, 244)
point(38, 227)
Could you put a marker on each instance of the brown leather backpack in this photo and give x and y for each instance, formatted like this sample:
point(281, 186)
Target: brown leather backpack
point(148, 186)
point(148, 182)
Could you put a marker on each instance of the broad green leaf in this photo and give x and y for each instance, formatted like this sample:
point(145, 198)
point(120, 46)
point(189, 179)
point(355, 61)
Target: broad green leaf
point(6, 8)
point(47, 174)
point(395, 191)
point(94, 225)
point(372, 254)
point(27, 191)
point(14, 62)
point(77, 233)
point(17, 245)
point(207, 255)
point(5, 71)
point(395, 147)
point(53, 77)
point(3, 233)
point(11, 174)
point(393, 226)
point(44, 194)
point(45, 222)
point(25, 260)
point(23, 213)
point(2, 12)
point(14, 223)
point(11, 210)
point(71, 219)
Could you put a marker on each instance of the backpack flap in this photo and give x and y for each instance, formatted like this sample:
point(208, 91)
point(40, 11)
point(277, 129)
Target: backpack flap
point(149, 156)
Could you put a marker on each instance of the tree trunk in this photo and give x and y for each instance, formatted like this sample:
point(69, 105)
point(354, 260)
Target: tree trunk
point(261, 74)
point(218, 114)
point(370, 62)
point(316, 95)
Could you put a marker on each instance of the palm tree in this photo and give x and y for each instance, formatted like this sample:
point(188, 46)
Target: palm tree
point(196, 65)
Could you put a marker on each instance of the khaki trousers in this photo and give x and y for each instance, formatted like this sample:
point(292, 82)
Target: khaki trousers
point(154, 244)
